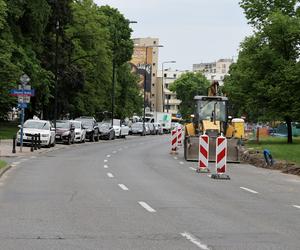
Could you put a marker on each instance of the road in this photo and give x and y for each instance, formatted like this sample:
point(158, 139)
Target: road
point(133, 194)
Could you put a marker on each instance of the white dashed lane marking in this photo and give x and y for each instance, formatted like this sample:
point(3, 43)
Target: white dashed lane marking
point(108, 156)
point(249, 190)
point(110, 175)
point(191, 168)
point(147, 207)
point(105, 166)
point(296, 206)
point(123, 187)
point(195, 241)
point(181, 163)
point(105, 160)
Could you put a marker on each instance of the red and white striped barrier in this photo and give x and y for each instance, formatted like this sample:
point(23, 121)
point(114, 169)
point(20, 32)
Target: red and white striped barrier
point(203, 154)
point(221, 158)
point(174, 141)
point(179, 136)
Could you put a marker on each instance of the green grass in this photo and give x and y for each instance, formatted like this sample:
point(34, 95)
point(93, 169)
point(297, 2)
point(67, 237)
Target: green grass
point(8, 130)
point(2, 164)
point(279, 148)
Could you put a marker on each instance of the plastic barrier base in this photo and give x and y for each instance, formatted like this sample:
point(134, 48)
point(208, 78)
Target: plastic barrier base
point(173, 152)
point(220, 176)
point(203, 170)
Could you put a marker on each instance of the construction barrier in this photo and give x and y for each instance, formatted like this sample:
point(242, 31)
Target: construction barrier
point(179, 136)
point(221, 159)
point(174, 141)
point(203, 154)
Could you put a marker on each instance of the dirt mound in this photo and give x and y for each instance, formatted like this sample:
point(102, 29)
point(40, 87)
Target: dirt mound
point(257, 159)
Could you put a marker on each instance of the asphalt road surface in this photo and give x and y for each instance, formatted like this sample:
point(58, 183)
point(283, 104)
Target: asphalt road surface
point(133, 194)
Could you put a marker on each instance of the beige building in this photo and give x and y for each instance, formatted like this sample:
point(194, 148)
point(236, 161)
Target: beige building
point(171, 103)
point(145, 60)
point(214, 70)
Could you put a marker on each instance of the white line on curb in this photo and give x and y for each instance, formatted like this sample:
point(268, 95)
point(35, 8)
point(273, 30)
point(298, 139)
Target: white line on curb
point(123, 187)
point(110, 175)
point(147, 207)
point(108, 156)
point(249, 190)
point(193, 168)
point(105, 161)
point(195, 241)
point(296, 206)
point(105, 166)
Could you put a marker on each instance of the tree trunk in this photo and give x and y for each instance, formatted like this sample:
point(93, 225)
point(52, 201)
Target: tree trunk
point(289, 130)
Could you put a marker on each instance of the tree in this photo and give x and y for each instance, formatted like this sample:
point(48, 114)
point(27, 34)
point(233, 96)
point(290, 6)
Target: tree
point(188, 86)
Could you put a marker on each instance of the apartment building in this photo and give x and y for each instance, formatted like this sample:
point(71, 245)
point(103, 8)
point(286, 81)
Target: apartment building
point(214, 70)
point(145, 62)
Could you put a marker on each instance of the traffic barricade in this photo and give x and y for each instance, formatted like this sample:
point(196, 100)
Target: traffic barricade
point(203, 154)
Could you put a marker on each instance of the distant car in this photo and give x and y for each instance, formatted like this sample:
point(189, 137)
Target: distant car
point(147, 129)
point(121, 131)
point(65, 132)
point(91, 126)
point(137, 128)
point(42, 127)
point(152, 128)
point(107, 132)
point(158, 128)
point(80, 131)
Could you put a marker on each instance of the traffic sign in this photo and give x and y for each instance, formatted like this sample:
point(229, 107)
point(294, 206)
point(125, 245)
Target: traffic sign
point(22, 92)
point(25, 99)
point(22, 105)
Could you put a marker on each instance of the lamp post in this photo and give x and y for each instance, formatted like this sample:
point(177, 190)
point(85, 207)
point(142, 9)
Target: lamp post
point(163, 86)
point(114, 74)
point(56, 71)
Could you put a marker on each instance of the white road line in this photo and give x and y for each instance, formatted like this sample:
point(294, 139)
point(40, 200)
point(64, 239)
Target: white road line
point(249, 190)
point(193, 168)
point(114, 152)
point(105, 160)
point(105, 166)
point(123, 187)
point(108, 156)
point(175, 158)
point(110, 175)
point(147, 207)
point(16, 163)
point(296, 206)
point(32, 157)
point(181, 162)
point(195, 241)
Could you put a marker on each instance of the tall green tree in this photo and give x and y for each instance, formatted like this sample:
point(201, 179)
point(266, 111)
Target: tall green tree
point(186, 87)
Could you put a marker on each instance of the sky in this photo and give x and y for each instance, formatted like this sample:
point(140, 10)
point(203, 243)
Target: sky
point(191, 31)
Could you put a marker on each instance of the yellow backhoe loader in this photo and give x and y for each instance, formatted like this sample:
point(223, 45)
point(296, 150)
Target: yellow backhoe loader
point(211, 117)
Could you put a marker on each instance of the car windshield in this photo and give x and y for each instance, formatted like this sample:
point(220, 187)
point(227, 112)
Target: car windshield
point(105, 126)
point(76, 124)
point(88, 123)
point(37, 125)
point(62, 125)
point(137, 125)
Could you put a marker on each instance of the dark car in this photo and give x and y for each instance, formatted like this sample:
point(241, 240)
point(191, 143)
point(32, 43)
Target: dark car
point(65, 132)
point(91, 126)
point(107, 132)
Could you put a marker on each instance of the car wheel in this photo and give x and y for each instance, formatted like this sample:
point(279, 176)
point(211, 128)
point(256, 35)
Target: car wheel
point(69, 140)
point(97, 137)
point(92, 139)
point(49, 144)
point(53, 144)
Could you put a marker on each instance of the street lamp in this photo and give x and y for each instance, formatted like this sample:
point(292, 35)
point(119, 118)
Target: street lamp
point(114, 75)
point(57, 26)
point(163, 86)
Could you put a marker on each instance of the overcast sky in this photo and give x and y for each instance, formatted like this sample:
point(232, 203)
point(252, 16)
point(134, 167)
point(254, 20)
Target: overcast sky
point(191, 31)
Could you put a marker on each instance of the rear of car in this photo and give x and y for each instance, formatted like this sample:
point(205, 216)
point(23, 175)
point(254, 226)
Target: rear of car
point(137, 128)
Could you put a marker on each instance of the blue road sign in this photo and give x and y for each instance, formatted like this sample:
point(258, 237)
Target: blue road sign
point(22, 105)
point(178, 116)
point(27, 92)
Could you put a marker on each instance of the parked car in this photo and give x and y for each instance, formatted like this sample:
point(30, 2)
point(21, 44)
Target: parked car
point(42, 127)
point(107, 132)
point(91, 126)
point(152, 128)
point(121, 131)
point(80, 131)
point(65, 132)
point(147, 129)
point(137, 128)
point(158, 128)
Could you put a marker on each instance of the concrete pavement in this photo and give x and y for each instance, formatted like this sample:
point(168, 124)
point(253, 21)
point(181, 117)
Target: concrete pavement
point(132, 194)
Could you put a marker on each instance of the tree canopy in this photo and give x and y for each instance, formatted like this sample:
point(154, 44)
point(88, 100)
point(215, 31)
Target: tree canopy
point(186, 87)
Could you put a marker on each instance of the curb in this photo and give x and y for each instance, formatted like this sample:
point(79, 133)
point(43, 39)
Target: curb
point(3, 170)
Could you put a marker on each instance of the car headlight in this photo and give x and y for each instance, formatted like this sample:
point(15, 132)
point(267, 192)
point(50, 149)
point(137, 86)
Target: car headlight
point(45, 135)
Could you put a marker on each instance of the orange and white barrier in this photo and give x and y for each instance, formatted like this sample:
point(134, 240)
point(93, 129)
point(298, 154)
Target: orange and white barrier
point(203, 154)
point(174, 141)
point(179, 136)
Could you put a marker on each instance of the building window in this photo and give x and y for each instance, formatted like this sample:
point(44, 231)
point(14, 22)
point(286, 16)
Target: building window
point(174, 75)
point(153, 84)
point(154, 64)
point(154, 52)
point(165, 75)
point(167, 85)
point(153, 74)
point(153, 95)
point(154, 42)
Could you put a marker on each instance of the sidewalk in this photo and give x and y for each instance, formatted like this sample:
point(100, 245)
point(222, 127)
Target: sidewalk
point(6, 147)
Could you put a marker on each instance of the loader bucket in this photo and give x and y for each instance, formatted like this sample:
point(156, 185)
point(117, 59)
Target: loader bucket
point(191, 149)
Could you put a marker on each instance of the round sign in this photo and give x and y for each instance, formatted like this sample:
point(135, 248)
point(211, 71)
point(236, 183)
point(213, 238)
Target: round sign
point(24, 79)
